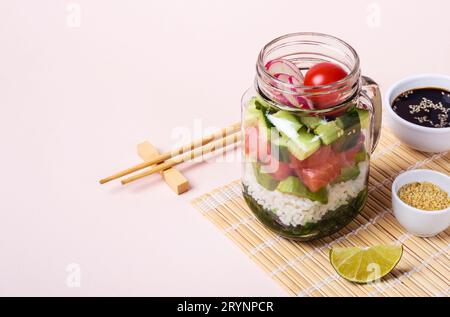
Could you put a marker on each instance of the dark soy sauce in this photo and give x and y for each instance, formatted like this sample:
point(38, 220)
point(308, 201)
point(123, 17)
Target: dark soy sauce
point(427, 107)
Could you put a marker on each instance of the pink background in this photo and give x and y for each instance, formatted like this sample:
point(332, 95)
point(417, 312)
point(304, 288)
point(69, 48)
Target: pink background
point(76, 100)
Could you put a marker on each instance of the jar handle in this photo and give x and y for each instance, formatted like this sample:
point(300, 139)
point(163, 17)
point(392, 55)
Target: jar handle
point(371, 89)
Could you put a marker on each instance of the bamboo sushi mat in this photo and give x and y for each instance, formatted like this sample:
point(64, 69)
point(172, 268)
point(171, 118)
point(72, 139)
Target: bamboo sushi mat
point(303, 268)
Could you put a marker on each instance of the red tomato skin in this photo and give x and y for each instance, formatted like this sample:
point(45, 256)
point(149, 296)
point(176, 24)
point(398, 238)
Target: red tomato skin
point(323, 74)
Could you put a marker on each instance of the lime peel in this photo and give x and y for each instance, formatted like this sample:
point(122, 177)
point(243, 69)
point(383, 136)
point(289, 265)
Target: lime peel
point(365, 265)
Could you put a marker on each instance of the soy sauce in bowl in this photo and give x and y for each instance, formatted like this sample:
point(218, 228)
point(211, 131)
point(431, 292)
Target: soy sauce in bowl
point(428, 107)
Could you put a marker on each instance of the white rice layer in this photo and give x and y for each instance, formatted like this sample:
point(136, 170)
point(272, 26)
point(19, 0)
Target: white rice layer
point(293, 210)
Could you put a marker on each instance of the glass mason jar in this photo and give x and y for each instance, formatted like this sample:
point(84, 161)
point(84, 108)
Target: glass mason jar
point(307, 149)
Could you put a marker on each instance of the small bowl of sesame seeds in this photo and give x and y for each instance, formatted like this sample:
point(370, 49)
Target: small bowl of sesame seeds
point(421, 201)
point(418, 110)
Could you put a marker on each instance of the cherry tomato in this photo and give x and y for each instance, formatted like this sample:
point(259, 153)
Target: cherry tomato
point(323, 74)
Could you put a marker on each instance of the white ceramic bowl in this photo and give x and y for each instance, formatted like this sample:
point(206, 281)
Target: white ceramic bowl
point(420, 138)
point(419, 222)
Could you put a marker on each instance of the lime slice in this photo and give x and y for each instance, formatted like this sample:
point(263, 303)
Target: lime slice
point(365, 265)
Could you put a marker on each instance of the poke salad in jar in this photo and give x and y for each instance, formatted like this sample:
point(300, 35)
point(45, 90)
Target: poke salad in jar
point(309, 126)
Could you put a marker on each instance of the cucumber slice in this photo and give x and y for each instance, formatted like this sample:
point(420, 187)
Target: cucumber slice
point(292, 185)
point(264, 179)
point(329, 132)
point(256, 116)
point(261, 104)
point(264, 128)
point(303, 144)
point(286, 123)
point(312, 122)
point(363, 118)
point(251, 116)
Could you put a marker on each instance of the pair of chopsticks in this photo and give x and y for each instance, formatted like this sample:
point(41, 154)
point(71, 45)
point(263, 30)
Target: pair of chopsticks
point(195, 149)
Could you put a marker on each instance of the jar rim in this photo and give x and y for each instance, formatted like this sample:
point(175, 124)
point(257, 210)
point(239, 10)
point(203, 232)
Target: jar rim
point(354, 71)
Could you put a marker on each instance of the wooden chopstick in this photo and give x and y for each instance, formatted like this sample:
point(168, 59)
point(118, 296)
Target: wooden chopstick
point(167, 155)
point(208, 148)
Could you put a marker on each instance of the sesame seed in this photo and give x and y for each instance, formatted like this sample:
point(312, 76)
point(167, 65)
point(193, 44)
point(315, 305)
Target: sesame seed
point(424, 195)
